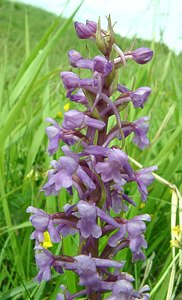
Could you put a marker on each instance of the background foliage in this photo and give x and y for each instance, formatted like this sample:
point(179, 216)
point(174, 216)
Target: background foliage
point(33, 51)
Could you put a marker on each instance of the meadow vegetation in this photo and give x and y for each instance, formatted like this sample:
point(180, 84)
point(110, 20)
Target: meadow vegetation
point(33, 52)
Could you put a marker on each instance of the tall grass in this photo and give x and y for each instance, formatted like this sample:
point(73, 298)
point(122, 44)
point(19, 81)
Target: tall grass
point(31, 92)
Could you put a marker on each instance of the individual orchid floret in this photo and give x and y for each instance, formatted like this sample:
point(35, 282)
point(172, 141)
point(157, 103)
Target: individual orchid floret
point(70, 80)
point(99, 64)
point(140, 96)
point(62, 175)
point(136, 244)
point(42, 222)
point(74, 56)
point(144, 178)
point(142, 55)
point(77, 119)
point(79, 97)
point(122, 290)
point(45, 260)
point(136, 225)
point(111, 169)
point(140, 128)
point(117, 202)
point(77, 61)
point(144, 292)
point(85, 31)
point(132, 231)
point(102, 65)
point(87, 269)
point(88, 218)
point(118, 197)
point(56, 133)
point(88, 213)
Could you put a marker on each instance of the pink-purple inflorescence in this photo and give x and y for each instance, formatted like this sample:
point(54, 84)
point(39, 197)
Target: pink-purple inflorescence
point(99, 172)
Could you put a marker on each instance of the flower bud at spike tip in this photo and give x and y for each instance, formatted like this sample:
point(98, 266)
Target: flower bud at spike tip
point(110, 35)
point(142, 55)
point(92, 26)
point(84, 31)
point(100, 42)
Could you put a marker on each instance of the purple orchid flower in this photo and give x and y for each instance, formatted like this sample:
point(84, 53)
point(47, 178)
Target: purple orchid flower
point(77, 61)
point(85, 31)
point(62, 175)
point(56, 224)
point(134, 229)
point(143, 179)
point(87, 223)
point(45, 261)
point(140, 129)
point(86, 267)
point(118, 197)
point(79, 97)
point(142, 55)
point(122, 290)
point(56, 133)
point(140, 96)
point(42, 222)
point(99, 64)
point(77, 119)
point(87, 271)
point(111, 169)
point(102, 65)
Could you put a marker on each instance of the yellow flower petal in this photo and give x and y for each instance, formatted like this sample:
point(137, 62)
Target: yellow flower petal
point(66, 106)
point(47, 240)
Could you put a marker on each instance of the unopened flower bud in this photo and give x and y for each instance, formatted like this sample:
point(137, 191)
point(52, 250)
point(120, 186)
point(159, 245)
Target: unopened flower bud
point(79, 97)
point(77, 61)
point(70, 80)
point(77, 119)
point(100, 42)
point(142, 55)
point(74, 56)
point(102, 65)
point(140, 96)
point(84, 31)
point(92, 25)
point(110, 35)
